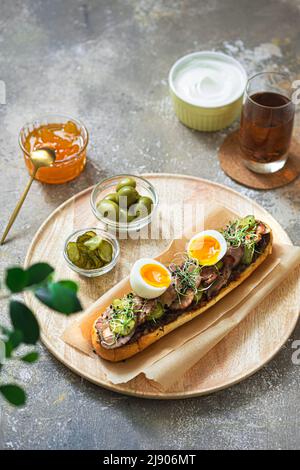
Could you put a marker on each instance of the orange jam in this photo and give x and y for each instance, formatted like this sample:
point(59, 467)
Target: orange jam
point(69, 142)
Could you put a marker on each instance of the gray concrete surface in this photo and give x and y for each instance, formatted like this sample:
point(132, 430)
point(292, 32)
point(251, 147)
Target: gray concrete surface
point(107, 63)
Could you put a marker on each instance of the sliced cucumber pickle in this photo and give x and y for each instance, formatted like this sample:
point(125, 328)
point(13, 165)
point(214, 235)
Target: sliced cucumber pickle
point(198, 296)
point(105, 251)
point(219, 265)
point(248, 254)
point(157, 312)
point(73, 252)
point(90, 251)
point(248, 221)
point(121, 325)
point(93, 243)
point(118, 303)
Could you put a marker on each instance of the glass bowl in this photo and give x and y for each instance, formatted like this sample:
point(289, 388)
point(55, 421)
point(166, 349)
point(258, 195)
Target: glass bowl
point(108, 185)
point(62, 170)
point(97, 271)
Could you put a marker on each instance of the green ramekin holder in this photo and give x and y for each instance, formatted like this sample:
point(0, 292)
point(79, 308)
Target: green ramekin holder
point(206, 119)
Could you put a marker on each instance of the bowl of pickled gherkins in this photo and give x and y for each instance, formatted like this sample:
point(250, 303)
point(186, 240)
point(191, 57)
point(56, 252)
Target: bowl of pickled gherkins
point(124, 202)
point(91, 252)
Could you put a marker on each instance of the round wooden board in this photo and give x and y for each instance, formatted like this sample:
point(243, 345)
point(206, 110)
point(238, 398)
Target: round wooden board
point(245, 350)
point(231, 160)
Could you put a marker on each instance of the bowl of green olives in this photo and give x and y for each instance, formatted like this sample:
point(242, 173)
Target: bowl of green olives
point(124, 203)
point(91, 252)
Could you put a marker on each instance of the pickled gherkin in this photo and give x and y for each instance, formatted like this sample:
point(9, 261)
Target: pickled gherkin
point(89, 251)
point(248, 221)
point(73, 252)
point(157, 312)
point(248, 254)
point(105, 251)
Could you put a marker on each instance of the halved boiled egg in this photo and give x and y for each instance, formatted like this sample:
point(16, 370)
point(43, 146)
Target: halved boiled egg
point(208, 247)
point(149, 278)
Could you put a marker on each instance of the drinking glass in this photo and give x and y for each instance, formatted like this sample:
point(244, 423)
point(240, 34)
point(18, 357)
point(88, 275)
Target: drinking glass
point(267, 122)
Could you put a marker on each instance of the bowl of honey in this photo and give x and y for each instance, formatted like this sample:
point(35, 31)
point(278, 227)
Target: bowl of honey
point(67, 136)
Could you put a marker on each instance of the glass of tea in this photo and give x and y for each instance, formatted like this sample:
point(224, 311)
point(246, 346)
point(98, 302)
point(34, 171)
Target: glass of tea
point(67, 136)
point(267, 122)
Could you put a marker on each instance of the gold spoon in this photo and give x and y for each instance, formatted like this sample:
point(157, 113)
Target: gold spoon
point(39, 158)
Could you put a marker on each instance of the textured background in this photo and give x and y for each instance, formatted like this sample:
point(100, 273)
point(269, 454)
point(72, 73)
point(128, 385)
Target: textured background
point(107, 63)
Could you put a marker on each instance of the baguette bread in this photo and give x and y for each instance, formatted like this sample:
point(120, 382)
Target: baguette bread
point(128, 350)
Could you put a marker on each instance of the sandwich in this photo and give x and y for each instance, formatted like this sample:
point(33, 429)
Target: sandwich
point(162, 298)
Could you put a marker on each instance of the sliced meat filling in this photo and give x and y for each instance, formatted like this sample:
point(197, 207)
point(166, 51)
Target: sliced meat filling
point(168, 297)
point(143, 308)
point(233, 256)
point(181, 296)
point(183, 301)
point(220, 282)
point(208, 275)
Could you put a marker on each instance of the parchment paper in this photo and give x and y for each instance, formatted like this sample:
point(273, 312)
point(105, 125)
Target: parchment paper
point(169, 358)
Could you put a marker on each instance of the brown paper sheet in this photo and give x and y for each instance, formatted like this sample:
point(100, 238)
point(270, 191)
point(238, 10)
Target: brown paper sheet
point(169, 358)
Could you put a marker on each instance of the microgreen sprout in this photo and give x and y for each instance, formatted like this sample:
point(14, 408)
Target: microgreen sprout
point(187, 275)
point(241, 232)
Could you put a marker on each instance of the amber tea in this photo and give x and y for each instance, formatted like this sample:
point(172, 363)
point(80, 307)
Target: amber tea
point(266, 130)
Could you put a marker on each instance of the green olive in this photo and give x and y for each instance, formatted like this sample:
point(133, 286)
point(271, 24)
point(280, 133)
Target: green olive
point(108, 209)
point(147, 202)
point(112, 197)
point(125, 216)
point(127, 196)
point(142, 208)
point(126, 182)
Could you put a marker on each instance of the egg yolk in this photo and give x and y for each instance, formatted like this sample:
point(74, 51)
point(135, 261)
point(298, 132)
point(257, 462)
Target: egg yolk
point(155, 275)
point(205, 249)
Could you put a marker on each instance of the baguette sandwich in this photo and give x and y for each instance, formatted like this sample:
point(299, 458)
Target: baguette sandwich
point(164, 298)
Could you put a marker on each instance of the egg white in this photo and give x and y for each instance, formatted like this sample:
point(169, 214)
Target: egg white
point(217, 236)
point(139, 285)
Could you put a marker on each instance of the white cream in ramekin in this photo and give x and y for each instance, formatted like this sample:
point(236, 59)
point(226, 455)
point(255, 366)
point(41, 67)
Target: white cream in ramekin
point(207, 89)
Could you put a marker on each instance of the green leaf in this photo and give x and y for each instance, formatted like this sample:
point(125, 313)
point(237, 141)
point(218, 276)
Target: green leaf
point(30, 357)
point(14, 339)
point(23, 319)
point(16, 279)
point(69, 284)
point(38, 273)
point(59, 297)
point(14, 394)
